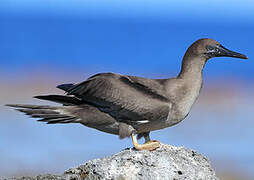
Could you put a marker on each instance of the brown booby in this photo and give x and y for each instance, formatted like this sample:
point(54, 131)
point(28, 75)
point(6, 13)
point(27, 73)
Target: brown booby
point(129, 105)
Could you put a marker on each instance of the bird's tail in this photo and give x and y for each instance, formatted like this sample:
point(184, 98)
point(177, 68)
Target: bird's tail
point(49, 114)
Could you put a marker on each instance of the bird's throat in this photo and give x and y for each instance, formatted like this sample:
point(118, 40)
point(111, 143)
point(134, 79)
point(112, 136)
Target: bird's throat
point(192, 68)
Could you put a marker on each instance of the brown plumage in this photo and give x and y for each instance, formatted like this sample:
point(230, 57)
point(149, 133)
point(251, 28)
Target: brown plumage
point(130, 105)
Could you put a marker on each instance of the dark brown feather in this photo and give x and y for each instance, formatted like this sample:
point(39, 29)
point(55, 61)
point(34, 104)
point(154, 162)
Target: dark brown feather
point(123, 97)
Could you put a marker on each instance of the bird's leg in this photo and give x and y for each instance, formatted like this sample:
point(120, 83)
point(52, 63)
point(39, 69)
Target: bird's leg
point(147, 137)
point(149, 145)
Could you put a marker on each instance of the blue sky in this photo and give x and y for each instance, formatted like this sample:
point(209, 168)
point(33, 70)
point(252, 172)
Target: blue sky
point(228, 9)
point(69, 34)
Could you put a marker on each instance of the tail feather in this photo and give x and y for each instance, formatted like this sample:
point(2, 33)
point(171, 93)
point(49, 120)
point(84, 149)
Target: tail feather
point(65, 100)
point(36, 111)
point(59, 120)
point(49, 114)
point(30, 106)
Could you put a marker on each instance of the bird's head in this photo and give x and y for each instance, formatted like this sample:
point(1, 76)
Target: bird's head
point(209, 48)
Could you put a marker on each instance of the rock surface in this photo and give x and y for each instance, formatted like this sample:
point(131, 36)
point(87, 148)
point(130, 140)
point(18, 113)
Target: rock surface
point(167, 162)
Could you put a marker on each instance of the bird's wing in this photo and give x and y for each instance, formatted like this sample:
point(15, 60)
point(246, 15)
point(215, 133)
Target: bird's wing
point(126, 98)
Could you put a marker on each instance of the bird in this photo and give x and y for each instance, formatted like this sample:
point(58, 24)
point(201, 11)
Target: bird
point(131, 106)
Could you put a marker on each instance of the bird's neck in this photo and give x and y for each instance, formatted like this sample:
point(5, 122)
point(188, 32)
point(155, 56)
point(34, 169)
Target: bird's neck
point(192, 68)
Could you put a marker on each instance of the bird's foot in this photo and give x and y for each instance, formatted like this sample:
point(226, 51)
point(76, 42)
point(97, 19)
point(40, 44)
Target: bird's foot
point(150, 145)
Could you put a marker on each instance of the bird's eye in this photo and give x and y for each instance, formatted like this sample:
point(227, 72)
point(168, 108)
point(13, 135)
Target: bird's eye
point(210, 48)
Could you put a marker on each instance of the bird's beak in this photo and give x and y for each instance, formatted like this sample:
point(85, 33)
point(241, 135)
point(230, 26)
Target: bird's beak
point(222, 51)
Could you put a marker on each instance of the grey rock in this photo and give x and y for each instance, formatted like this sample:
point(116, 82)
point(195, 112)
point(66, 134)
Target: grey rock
point(39, 177)
point(167, 162)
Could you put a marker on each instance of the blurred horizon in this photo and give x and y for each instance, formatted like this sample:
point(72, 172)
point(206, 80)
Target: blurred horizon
point(45, 43)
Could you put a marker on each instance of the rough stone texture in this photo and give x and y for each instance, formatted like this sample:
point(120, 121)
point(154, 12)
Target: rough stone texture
point(167, 162)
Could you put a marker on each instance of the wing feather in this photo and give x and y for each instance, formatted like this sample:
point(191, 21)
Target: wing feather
point(124, 97)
